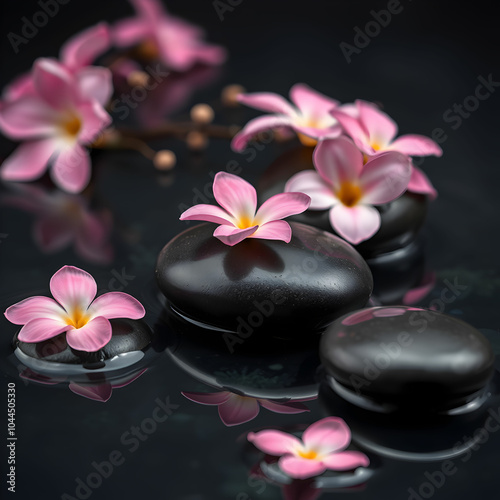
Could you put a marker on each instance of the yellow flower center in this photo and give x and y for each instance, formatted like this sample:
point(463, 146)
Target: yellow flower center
point(349, 194)
point(77, 318)
point(309, 454)
point(305, 139)
point(245, 222)
point(376, 146)
point(72, 125)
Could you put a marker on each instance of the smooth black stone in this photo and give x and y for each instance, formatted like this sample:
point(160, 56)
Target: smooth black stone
point(401, 219)
point(128, 336)
point(407, 357)
point(295, 288)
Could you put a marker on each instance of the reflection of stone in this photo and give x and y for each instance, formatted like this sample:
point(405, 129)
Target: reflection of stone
point(401, 219)
point(398, 358)
point(292, 289)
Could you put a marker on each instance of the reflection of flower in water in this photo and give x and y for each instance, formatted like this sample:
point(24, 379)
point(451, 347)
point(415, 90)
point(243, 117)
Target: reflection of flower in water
point(97, 388)
point(63, 219)
point(419, 292)
point(376, 312)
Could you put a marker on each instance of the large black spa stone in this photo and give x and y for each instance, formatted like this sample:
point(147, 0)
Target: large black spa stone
point(406, 357)
point(293, 288)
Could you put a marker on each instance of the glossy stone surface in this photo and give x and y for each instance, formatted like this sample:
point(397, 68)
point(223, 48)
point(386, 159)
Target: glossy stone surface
point(407, 357)
point(401, 219)
point(294, 289)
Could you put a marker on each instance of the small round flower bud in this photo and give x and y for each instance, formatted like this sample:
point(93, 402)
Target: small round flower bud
point(196, 141)
point(202, 113)
point(165, 159)
point(229, 95)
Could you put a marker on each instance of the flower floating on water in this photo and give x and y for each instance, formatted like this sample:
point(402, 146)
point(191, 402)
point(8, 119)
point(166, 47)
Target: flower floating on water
point(56, 122)
point(374, 133)
point(235, 409)
point(158, 35)
point(310, 117)
point(238, 216)
point(74, 311)
point(323, 446)
point(350, 189)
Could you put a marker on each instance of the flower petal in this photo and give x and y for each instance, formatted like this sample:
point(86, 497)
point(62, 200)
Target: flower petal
point(416, 145)
point(72, 286)
point(385, 177)
point(329, 131)
point(327, 435)
point(381, 128)
point(95, 83)
point(353, 127)
point(208, 398)
point(116, 305)
point(337, 161)
point(29, 161)
point(312, 184)
point(91, 337)
point(274, 230)
point(129, 31)
point(209, 213)
point(236, 195)
point(355, 224)
point(283, 408)
point(273, 442)
point(33, 308)
point(233, 235)
point(282, 205)
point(53, 233)
point(268, 101)
point(310, 102)
point(238, 410)
point(301, 468)
point(346, 460)
point(40, 329)
point(420, 183)
point(20, 86)
point(71, 169)
point(83, 48)
point(96, 392)
point(257, 125)
point(94, 119)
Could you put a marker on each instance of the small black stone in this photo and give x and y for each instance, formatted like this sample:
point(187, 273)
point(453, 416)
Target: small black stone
point(407, 357)
point(294, 288)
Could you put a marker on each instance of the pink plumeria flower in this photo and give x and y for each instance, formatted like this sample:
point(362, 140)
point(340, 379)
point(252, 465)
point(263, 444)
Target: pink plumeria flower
point(321, 448)
point(56, 123)
point(238, 216)
point(74, 311)
point(235, 409)
point(178, 44)
point(374, 132)
point(76, 55)
point(350, 189)
point(309, 116)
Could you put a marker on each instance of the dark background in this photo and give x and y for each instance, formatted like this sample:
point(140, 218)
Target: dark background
point(426, 60)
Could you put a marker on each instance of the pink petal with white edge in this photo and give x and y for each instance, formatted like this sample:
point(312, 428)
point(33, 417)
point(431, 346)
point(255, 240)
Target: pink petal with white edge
point(238, 410)
point(28, 162)
point(209, 213)
point(95, 83)
point(327, 435)
point(55, 84)
point(235, 195)
point(20, 86)
point(416, 145)
point(282, 205)
point(94, 120)
point(71, 169)
point(72, 286)
point(385, 177)
point(290, 408)
point(233, 235)
point(310, 182)
point(353, 127)
point(274, 230)
point(91, 337)
point(83, 48)
point(268, 101)
point(257, 125)
point(40, 329)
point(338, 160)
point(100, 392)
point(328, 131)
point(420, 183)
point(129, 31)
point(34, 308)
point(310, 102)
point(381, 127)
point(273, 442)
point(208, 398)
point(116, 305)
point(301, 468)
point(346, 460)
point(28, 117)
point(355, 224)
